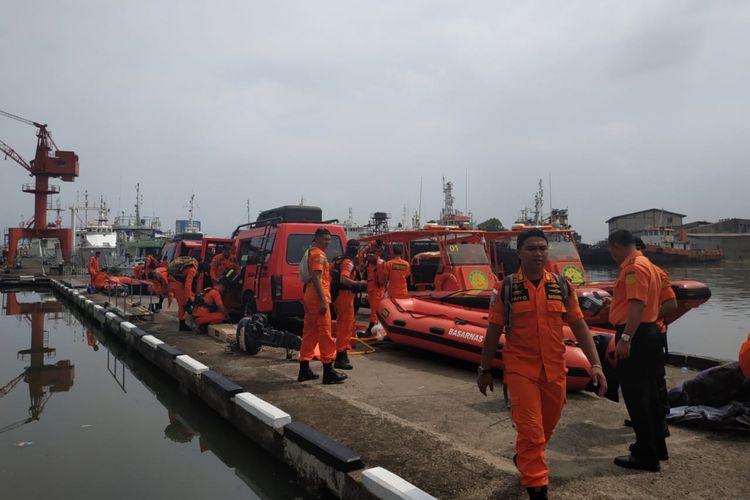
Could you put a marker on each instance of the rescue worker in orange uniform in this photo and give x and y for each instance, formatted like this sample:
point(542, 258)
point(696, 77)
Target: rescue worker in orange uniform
point(396, 271)
point(221, 263)
point(745, 357)
point(375, 282)
point(150, 264)
point(94, 266)
point(160, 279)
point(210, 310)
point(138, 270)
point(317, 326)
point(639, 351)
point(534, 354)
point(181, 287)
point(344, 304)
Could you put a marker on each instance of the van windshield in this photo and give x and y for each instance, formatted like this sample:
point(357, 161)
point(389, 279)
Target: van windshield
point(297, 244)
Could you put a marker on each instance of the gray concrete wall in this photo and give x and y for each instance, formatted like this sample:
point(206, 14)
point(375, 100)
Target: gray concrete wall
point(647, 218)
point(724, 226)
point(734, 246)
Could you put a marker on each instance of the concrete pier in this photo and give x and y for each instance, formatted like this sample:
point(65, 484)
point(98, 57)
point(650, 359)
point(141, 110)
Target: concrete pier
point(410, 424)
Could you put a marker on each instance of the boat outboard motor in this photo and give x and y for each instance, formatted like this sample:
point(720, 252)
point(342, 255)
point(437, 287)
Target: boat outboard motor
point(253, 332)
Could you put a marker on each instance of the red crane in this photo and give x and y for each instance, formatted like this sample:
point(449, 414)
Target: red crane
point(47, 163)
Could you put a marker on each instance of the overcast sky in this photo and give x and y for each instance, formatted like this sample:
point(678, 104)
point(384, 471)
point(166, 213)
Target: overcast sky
point(628, 105)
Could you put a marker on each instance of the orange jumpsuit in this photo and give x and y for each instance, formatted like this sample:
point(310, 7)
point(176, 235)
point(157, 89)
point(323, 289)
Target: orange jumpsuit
point(162, 286)
point(204, 315)
point(220, 264)
point(93, 268)
point(375, 287)
point(99, 280)
point(745, 357)
point(534, 356)
point(138, 271)
point(395, 272)
point(317, 327)
point(344, 305)
point(183, 292)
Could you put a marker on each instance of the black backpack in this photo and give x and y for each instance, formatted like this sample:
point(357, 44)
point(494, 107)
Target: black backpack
point(336, 284)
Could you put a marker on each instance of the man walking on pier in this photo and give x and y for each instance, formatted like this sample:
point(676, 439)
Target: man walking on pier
point(533, 305)
point(639, 351)
point(317, 302)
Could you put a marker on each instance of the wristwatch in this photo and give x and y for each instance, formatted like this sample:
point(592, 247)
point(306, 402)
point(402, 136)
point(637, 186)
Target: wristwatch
point(625, 337)
point(482, 371)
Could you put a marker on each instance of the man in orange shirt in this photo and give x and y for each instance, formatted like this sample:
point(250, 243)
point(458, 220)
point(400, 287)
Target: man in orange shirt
point(94, 266)
point(344, 304)
point(375, 285)
point(537, 306)
point(181, 287)
point(396, 271)
point(221, 263)
point(210, 310)
point(639, 351)
point(317, 326)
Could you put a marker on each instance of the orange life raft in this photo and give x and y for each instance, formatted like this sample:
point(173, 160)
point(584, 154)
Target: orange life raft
point(459, 332)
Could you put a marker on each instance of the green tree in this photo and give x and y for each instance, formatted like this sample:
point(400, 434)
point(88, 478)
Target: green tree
point(492, 224)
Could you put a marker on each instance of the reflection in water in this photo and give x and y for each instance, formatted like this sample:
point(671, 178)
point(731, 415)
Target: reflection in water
point(718, 327)
point(151, 430)
point(43, 379)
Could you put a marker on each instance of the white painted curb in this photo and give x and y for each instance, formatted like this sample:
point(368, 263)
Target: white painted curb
point(190, 364)
point(263, 410)
point(126, 326)
point(151, 341)
point(386, 485)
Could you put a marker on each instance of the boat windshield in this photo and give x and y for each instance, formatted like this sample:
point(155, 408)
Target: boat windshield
point(467, 254)
point(562, 249)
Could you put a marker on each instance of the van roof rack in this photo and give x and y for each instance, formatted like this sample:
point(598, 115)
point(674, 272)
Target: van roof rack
point(274, 222)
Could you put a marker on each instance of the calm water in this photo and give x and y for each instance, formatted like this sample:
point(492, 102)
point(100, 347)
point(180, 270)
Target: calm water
point(78, 423)
point(716, 328)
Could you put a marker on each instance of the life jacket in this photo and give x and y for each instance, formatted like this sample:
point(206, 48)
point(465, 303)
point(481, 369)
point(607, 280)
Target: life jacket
point(507, 290)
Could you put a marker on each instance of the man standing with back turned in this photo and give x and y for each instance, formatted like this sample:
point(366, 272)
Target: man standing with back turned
point(533, 305)
point(639, 351)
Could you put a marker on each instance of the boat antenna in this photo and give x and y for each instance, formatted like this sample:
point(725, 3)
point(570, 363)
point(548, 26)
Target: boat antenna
point(248, 210)
point(466, 194)
point(419, 212)
point(550, 195)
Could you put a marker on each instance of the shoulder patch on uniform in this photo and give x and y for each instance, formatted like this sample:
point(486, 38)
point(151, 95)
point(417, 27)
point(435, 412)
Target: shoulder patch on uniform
point(349, 266)
point(493, 297)
point(321, 259)
point(630, 279)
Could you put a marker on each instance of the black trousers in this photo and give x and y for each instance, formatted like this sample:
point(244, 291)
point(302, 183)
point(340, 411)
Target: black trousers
point(641, 380)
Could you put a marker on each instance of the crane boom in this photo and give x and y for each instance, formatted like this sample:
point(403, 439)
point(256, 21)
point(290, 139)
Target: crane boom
point(10, 153)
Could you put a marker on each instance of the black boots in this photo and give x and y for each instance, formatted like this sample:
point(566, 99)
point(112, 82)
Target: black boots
point(184, 327)
point(537, 493)
point(331, 376)
point(342, 361)
point(305, 373)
